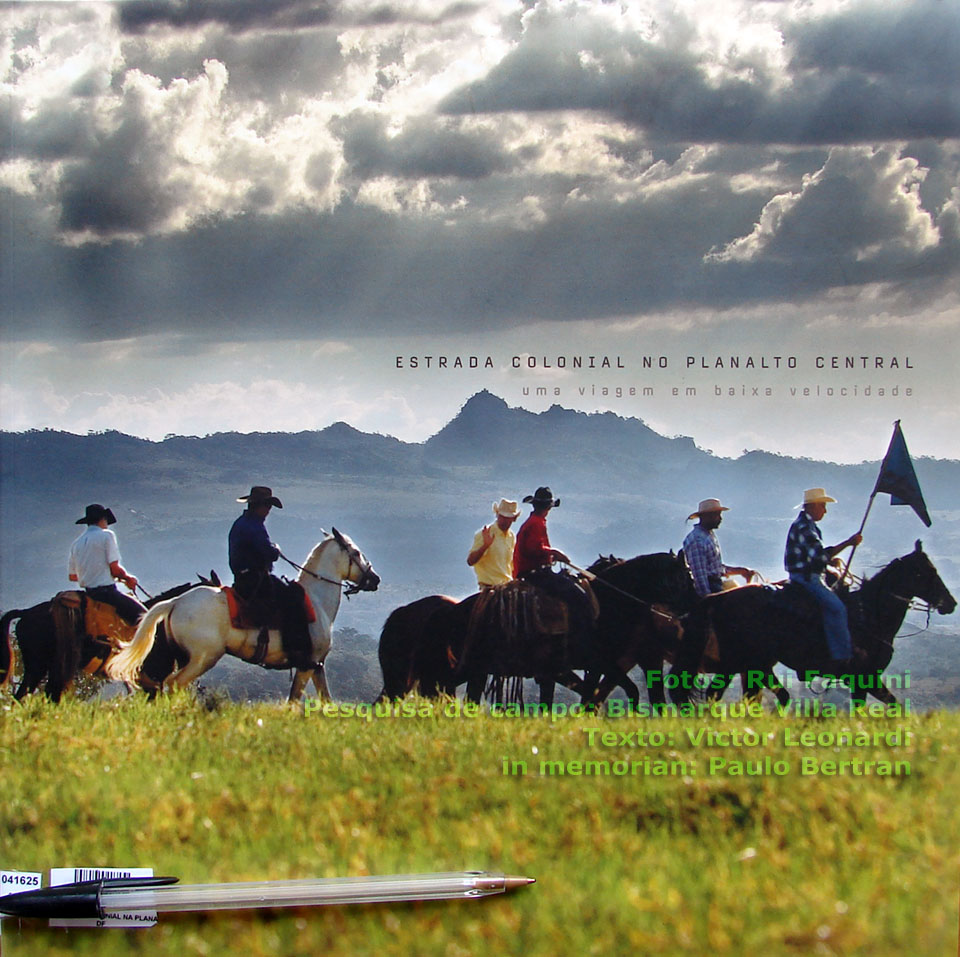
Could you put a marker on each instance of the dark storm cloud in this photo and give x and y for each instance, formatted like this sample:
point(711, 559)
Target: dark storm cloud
point(120, 186)
point(357, 271)
point(240, 15)
point(139, 15)
point(839, 92)
point(427, 147)
point(264, 65)
point(59, 129)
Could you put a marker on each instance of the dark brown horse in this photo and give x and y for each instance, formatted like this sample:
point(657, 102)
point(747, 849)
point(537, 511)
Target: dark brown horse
point(752, 628)
point(431, 642)
point(413, 653)
point(46, 653)
point(641, 600)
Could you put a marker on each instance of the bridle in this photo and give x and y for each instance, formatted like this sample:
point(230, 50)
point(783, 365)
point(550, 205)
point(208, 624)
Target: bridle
point(349, 587)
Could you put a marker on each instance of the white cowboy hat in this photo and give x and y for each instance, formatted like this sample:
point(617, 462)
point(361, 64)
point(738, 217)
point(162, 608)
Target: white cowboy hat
point(708, 505)
point(813, 496)
point(506, 508)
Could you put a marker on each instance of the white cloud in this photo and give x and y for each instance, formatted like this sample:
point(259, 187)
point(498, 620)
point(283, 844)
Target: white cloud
point(864, 204)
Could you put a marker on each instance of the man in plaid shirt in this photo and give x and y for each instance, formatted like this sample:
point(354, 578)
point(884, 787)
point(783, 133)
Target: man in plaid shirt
point(702, 550)
point(805, 559)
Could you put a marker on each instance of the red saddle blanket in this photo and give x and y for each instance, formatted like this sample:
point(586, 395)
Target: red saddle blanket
point(240, 618)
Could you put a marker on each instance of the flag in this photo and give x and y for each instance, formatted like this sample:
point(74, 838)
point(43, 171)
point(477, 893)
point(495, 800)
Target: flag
point(898, 478)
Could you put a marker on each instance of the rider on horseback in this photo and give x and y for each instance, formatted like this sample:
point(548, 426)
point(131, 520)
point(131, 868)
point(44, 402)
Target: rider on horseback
point(534, 555)
point(806, 559)
point(252, 555)
point(491, 555)
point(702, 550)
point(94, 563)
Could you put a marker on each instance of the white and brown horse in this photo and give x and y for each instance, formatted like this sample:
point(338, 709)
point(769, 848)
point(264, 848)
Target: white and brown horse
point(198, 623)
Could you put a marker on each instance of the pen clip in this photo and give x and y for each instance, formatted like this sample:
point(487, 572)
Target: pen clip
point(77, 900)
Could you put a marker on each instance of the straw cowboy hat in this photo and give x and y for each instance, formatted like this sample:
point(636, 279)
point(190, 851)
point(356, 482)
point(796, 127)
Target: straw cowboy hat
point(506, 508)
point(814, 496)
point(261, 495)
point(94, 513)
point(708, 505)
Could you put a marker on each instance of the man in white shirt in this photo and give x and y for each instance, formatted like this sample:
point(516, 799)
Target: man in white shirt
point(491, 555)
point(94, 564)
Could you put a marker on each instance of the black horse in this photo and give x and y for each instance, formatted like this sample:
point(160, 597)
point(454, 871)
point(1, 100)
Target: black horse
point(413, 652)
point(432, 644)
point(750, 629)
point(47, 654)
point(641, 601)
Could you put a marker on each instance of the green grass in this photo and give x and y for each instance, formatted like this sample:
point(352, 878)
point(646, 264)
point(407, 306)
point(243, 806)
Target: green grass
point(679, 864)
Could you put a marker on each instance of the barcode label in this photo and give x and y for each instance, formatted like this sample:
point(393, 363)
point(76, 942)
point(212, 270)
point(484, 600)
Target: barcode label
point(73, 875)
point(94, 874)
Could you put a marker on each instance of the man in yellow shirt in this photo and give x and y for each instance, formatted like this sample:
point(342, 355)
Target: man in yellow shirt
point(491, 555)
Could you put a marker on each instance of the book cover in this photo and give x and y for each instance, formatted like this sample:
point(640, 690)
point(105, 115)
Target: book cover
point(399, 261)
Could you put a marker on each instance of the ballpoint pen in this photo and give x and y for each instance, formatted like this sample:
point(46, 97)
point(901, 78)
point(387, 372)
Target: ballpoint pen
point(112, 896)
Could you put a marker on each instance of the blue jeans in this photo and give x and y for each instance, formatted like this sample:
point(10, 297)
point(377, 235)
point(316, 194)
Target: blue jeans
point(834, 614)
point(128, 608)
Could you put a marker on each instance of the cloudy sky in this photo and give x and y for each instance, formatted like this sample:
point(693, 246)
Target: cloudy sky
point(258, 214)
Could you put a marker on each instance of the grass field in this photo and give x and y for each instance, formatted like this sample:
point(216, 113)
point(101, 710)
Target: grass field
point(687, 862)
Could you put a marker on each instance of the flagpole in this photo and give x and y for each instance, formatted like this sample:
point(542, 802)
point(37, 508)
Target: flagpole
point(843, 574)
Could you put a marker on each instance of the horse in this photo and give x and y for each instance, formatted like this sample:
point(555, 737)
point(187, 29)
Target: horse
point(199, 630)
point(55, 653)
point(412, 653)
point(641, 600)
point(638, 600)
point(752, 628)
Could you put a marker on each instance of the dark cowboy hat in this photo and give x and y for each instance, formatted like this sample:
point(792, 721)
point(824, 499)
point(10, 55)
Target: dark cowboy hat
point(261, 495)
point(94, 513)
point(542, 496)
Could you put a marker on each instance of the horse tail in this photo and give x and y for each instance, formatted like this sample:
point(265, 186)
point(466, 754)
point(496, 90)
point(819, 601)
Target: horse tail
point(6, 647)
point(126, 664)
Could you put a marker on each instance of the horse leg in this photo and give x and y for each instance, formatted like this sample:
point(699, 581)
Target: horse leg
point(719, 686)
point(301, 678)
point(881, 692)
point(629, 687)
point(475, 685)
point(547, 687)
point(319, 678)
point(196, 666)
point(773, 683)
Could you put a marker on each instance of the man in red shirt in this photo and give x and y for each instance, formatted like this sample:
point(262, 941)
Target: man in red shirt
point(533, 549)
point(532, 559)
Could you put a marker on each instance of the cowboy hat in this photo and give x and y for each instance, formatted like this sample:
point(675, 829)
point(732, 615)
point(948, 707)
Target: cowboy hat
point(506, 508)
point(814, 496)
point(542, 496)
point(261, 495)
point(708, 505)
point(94, 513)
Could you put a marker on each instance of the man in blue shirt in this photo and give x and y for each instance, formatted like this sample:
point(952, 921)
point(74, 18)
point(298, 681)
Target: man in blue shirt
point(805, 559)
point(702, 550)
point(252, 554)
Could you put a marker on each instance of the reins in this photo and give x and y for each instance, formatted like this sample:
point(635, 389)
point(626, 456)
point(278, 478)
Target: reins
point(595, 579)
point(349, 588)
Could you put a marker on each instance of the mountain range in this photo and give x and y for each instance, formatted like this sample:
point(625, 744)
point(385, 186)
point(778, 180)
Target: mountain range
point(413, 507)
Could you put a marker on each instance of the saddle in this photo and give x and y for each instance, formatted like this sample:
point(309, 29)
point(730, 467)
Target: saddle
point(78, 616)
point(794, 602)
point(290, 615)
point(526, 630)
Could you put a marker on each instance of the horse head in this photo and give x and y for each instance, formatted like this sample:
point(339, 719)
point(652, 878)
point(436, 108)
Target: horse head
point(921, 580)
point(661, 576)
point(359, 571)
point(604, 562)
